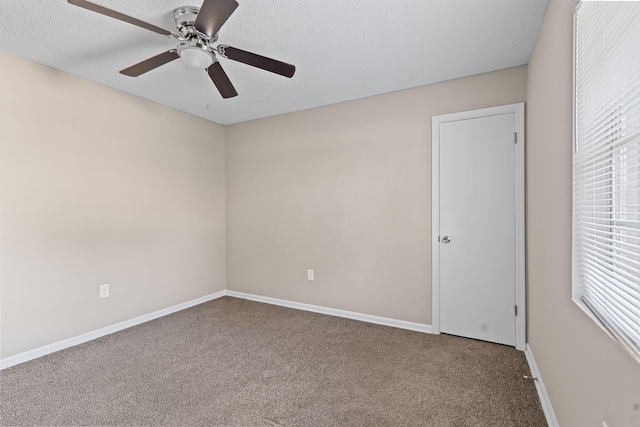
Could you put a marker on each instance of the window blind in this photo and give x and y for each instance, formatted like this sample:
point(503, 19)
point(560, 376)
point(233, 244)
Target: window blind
point(606, 166)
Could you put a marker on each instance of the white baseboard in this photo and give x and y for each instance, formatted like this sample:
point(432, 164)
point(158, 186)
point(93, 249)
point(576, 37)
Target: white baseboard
point(402, 324)
point(70, 342)
point(542, 391)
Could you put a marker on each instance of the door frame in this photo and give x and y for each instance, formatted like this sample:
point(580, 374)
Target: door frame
point(436, 121)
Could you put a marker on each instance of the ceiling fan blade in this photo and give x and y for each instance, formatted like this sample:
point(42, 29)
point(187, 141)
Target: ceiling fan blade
point(121, 16)
point(150, 64)
point(221, 80)
point(213, 14)
point(258, 61)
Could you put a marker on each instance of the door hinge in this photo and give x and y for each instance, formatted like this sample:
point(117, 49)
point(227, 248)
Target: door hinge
point(515, 137)
point(515, 307)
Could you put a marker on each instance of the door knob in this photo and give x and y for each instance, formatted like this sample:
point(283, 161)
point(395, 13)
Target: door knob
point(446, 239)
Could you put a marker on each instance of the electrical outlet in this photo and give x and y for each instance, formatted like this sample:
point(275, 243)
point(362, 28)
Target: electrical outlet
point(310, 275)
point(104, 290)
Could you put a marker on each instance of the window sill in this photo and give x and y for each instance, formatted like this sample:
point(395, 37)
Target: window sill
point(613, 334)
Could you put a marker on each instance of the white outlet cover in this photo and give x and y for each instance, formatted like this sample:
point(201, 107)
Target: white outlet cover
point(309, 274)
point(104, 290)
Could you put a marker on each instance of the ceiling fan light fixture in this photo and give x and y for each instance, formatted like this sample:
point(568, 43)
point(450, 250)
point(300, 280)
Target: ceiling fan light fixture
point(196, 57)
point(197, 32)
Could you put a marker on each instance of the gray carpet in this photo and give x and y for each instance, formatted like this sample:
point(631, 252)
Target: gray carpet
point(234, 362)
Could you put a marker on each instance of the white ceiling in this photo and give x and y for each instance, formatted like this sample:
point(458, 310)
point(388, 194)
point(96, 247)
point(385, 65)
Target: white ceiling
point(342, 49)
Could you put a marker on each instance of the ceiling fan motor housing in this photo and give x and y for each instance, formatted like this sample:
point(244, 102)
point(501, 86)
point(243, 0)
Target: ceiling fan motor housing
point(185, 18)
point(195, 49)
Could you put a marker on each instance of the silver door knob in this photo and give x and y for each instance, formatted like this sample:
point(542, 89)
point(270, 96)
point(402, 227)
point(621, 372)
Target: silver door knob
point(446, 239)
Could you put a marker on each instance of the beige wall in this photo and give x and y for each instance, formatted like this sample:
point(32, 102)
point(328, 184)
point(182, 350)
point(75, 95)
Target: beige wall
point(588, 377)
point(101, 187)
point(98, 186)
point(345, 190)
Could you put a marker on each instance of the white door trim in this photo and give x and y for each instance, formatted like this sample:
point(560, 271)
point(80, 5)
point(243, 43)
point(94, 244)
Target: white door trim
point(518, 110)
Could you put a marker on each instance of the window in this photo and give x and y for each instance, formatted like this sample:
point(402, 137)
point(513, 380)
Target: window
point(606, 167)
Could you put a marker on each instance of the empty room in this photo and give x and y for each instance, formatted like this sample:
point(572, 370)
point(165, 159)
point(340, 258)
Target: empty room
point(320, 213)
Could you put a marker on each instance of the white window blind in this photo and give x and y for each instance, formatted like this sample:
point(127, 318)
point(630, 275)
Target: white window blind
point(606, 167)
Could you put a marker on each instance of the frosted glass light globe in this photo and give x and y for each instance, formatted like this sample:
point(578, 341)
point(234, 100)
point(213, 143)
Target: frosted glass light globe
point(196, 57)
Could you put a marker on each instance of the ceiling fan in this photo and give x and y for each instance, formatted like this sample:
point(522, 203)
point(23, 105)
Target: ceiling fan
point(197, 31)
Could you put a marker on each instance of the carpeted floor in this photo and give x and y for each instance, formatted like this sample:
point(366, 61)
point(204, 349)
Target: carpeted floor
point(234, 362)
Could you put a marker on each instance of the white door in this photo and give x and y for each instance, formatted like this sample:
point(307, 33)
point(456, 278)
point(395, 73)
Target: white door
point(478, 228)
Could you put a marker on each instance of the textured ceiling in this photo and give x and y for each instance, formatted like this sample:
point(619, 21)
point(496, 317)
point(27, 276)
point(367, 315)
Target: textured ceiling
point(343, 49)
